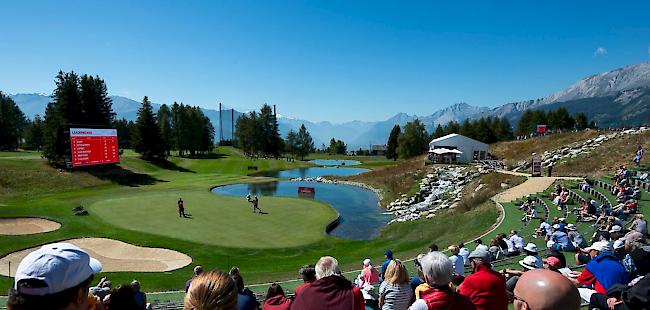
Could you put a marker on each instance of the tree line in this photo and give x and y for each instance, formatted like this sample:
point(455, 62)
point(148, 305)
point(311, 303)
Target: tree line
point(555, 119)
point(83, 102)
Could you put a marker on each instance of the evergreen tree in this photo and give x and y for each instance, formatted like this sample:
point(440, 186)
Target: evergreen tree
point(413, 141)
point(270, 134)
point(165, 120)
point(304, 142)
point(467, 129)
point(580, 120)
point(95, 103)
point(503, 129)
point(12, 122)
point(125, 133)
point(63, 112)
point(439, 132)
point(391, 145)
point(452, 127)
point(290, 146)
point(34, 134)
point(147, 134)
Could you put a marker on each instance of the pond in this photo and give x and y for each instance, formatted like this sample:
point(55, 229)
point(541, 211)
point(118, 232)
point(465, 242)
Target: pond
point(361, 217)
point(313, 172)
point(335, 162)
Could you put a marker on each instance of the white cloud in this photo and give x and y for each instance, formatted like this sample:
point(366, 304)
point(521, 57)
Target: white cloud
point(600, 51)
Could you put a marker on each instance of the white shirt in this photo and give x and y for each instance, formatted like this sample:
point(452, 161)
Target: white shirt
point(458, 263)
point(517, 241)
point(511, 246)
point(464, 253)
point(545, 226)
point(482, 246)
point(419, 304)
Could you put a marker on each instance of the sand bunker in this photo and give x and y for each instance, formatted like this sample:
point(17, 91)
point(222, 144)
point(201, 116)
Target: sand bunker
point(26, 226)
point(114, 255)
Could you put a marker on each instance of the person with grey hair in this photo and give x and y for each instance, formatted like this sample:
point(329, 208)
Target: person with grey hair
point(438, 270)
point(308, 274)
point(330, 291)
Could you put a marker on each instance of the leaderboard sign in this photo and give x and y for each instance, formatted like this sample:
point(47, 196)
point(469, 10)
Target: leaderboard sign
point(93, 146)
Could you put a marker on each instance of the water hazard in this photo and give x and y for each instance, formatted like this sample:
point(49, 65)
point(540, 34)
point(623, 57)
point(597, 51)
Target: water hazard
point(335, 162)
point(314, 172)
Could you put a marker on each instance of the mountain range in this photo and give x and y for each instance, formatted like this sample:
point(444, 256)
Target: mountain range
point(615, 98)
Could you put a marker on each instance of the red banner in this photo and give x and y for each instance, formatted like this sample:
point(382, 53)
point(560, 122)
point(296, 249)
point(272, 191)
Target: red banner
point(93, 146)
point(306, 190)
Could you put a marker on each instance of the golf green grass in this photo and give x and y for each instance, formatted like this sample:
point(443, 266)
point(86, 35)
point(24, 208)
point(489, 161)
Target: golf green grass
point(220, 220)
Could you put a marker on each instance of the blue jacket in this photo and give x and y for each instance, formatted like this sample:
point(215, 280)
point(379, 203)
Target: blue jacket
point(608, 270)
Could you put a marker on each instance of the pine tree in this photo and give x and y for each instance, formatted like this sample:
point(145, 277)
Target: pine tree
point(413, 141)
point(580, 120)
point(34, 134)
point(63, 112)
point(12, 122)
point(305, 144)
point(97, 106)
point(391, 144)
point(290, 146)
point(164, 120)
point(439, 132)
point(147, 134)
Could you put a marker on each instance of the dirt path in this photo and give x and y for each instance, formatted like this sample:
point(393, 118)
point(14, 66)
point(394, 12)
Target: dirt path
point(531, 186)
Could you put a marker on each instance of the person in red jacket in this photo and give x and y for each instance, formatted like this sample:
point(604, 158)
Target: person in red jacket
point(275, 299)
point(485, 287)
point(438, 270)
point(330, 291)
point(308, 274)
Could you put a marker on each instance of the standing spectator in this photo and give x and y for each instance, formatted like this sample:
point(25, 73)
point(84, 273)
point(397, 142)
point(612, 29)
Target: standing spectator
point(388, 254)
point(308, 274)
point(437, 271)
point(122, 297)
point(198, 270)
point(369, 274)
point(603, 271)
point(330, 291)
point(464, 253)
point(140, 297)
point(456, 261)
point(395, 292)
point(212, 290)
point(485, 287)
point(275, 299)
point(545, 290)
point(638, 156)
point(480, 245)
point(56, 276)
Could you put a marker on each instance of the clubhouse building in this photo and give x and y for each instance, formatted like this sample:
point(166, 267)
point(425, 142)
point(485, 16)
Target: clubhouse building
point(455, 148)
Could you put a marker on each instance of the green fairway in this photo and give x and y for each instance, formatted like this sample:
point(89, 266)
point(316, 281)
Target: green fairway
point(220, 220)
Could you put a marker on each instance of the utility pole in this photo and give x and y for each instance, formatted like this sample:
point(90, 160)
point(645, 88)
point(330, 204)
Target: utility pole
point(220, 125)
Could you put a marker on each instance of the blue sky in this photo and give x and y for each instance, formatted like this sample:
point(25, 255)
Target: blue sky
point(321, 60)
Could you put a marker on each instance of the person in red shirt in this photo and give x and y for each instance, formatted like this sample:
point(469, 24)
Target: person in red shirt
point(275, 299)
point(485, 287)
point(369, 274)
point(330, 291)
point(181, 208)
point(308, 274)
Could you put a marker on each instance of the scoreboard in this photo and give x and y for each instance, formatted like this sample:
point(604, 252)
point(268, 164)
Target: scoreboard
point(93, 146)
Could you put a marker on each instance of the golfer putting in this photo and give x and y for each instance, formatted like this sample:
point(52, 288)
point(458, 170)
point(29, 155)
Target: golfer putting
point(255, 201)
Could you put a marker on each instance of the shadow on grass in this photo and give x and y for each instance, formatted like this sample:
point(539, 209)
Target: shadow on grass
point(168, 165)
point(117, 174)
point(206, 156)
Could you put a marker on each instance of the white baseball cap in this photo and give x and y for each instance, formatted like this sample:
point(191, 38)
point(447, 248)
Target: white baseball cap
point(60, 265)
point(618, 244)
point(615, 228)
point(366, 261)
point(531, 247)
point(600, 246)
point(529, 262)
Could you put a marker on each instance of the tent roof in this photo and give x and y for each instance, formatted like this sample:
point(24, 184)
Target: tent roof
point(444, 151)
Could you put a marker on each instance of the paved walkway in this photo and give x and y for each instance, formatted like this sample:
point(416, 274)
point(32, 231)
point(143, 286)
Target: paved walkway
point(531, 186)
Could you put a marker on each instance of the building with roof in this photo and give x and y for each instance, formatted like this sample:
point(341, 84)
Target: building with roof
point(378, 149)
point(456, 148)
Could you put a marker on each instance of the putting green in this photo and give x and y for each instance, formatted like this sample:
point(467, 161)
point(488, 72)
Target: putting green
point(220, 220)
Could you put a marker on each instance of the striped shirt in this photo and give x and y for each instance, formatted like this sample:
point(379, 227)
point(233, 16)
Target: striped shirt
point(396, 297)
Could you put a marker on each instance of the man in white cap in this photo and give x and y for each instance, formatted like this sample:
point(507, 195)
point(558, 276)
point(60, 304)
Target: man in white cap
point(56, 276)
point(531, 251)
point(602, 272)
point(369, 274)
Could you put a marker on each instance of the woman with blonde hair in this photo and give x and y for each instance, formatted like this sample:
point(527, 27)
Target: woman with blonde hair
point(214, 290)
point(395, 292)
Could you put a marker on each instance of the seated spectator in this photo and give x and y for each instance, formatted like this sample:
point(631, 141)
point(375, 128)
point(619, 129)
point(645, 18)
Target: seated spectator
point(388, 254)
point(531, 250)
point(545, 290)
point(57, 276)
point(433, 247)
point(198, 270)
point(636, 295)
point(495, 250)
point(308, 274)
point(464, 253)
point(102, 289)
point(417, 282)
point(480, 245)
point(640, 224)
point(122, 297)
point(485, 287)
point(369, 274)
point(552, 263)
point(512, 275)
point(245, 298)
point(602, 271)
point(517, 242)
point(395, 292)
point(557, 254)
point(211, 290)
point(632, 241)
point(575, 237)
point(275, 299)
point(543, 230)
point(559, 240)
point(330, 291)
point(140, 297)
point(437, 271)
point(456, 261)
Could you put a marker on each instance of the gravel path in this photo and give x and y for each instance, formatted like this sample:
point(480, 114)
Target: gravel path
point(531, 186)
